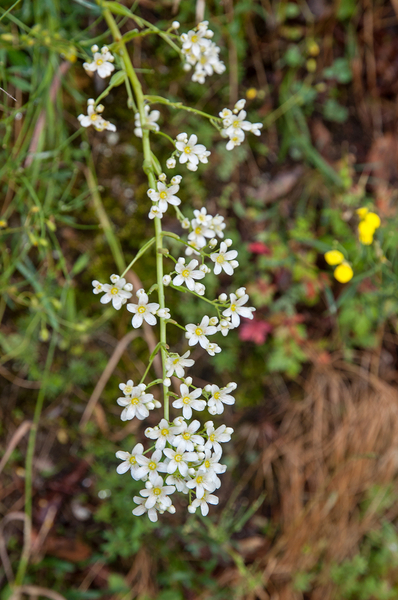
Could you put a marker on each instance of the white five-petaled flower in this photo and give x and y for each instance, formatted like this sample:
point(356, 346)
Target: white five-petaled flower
point(164, 195)
point(143, 310)
point(224, 260)
point(203, 503)
point(130, 461)
point(212, 349)
point(190, 151)
point(150, 121)
point(151, 466)
point(202, 482)
point(163, 433)
point(189, 400)
point(188, 435)
point(118, 291)
point(237, 310)
point(179, 459)
point(187, 273)
point(178, 481)
point(127, 388)
point(199, 233)
point(236, 123)
point(236, 138)
point(94, 118)
point(202, 216)
point(136, 404)
point(102, 62)
point(141, 509)
point(211, 465)
point(225, 326)
point(200, 52)
point(219, 397)
point(155, 212)
point(217, 225)
point(198, 333)
point(175, 364)
point(218, 436)
point(158, 494)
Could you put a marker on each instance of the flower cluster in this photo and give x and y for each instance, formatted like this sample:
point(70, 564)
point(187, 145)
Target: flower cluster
point(235, 125)
point(343, 271)
point(201, 53)
point(94, 118)
point(369, 222)
point(164, 195)
point(188, 152)
point(102, 63)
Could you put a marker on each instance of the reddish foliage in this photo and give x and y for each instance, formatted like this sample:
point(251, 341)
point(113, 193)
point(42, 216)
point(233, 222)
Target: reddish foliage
point(255, 331)
point(259, 248)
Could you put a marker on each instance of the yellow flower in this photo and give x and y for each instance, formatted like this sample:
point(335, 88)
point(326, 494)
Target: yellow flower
point(373, 220)
point(343, 272)
point(334, 257)
point(362, 212)
point(251, 93)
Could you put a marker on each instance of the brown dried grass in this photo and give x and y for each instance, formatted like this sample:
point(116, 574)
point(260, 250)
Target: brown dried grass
point(331, 447)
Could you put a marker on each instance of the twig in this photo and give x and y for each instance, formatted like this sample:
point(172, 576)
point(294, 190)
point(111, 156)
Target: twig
point(15, 380)
point(15, 516)
point(35, 590)
point(17, 436)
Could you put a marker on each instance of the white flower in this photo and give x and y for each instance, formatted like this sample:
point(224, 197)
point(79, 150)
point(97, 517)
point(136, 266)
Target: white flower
point(127, 388)
point(199, 289)
point(239, 105)
point(151, 465)
point(158, 494)
point(198, 333)
point(202, 217)
point(118, 291)
point(226, 113)
point(179, 459)
point(175, 25)
point(155, 212)
point(141, 509)
point(137, 404)
point(236, 139)
point(102, 63)
point(163, 313)
point(150, 121)
point(189, 401)
point(255, 128)
point(203, 503)
point(130, 461)
point(176, 180)
point(199, 234)
point(163, 433)
point(164, 195)
point(212, 349)
point(188, 435)
point(217, 225)
point(222, 259)
point(220, 396)
point(166, 280)
point(211, 466)
point(175, 479)
point(190, 150)
point(94, 118)
point(194, 43)
point(175, 364)
point(217, 436)
point(237, 310)
point(171, 162)
point(202, 482)
point(187, 273)
point(143, 310)
point(204, 268)
point(225, 326)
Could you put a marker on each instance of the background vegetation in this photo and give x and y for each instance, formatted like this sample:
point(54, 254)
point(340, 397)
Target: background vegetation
point(308, 506)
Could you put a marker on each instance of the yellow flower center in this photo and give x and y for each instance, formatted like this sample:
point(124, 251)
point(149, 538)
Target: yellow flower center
point(178, 458)
point(94, 117)
point(157, 491)
point(152, 466)
point(163, 195)
point(132, 460)
point(207, 464)
point(186, 400)
point(186, 435)
point(233, 307)
point(114, 291)
point(199, 479)
point(127, 389)
point(175, 361)
point(185, 273)
point(165, 432)
point(217, 395)
point(135, 400)
point(212, 437)
point(220, 258)
point(198, 230)
point(99, 62)
point(141, 309)
point(187, 150)
point(198, 331)
point(236, 124)
point(194, 39)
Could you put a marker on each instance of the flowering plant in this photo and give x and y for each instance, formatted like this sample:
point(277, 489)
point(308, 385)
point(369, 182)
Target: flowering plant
point(184, 455)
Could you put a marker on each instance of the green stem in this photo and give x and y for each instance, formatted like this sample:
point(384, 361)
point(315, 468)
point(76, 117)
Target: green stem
point(160, 100)
point(148, 169)
point(140, 252)
point(30, 454)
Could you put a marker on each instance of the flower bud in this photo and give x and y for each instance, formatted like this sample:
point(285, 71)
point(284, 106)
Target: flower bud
point(201, 455)
point(199, 288)
point(171, 162)
point(150, 192)
point(185, 224)
point(234, 264)
point(94, 48)
point(140, 292)
point(182, 137)
point(191, 509)
point(213, 321)
point(212, 410)
point(176, 179)
point(207, 388)
point(175, 25)
point(148, 485)
point(191, 166)
point(188, 380)
point(228, 242)
point(209, 423)
point(191, 472)
point(157, 404)
point(150, 405)
point(167, 382)
point(162, 177)
point(240, 104)
point(166, 280)
point(179, 421)
point(114, 278)
point(171, 509)
point(213, 243)
point(223, 297)
point(128, 287)
point(240, 292)
point(204, 268)
point(148, 431)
